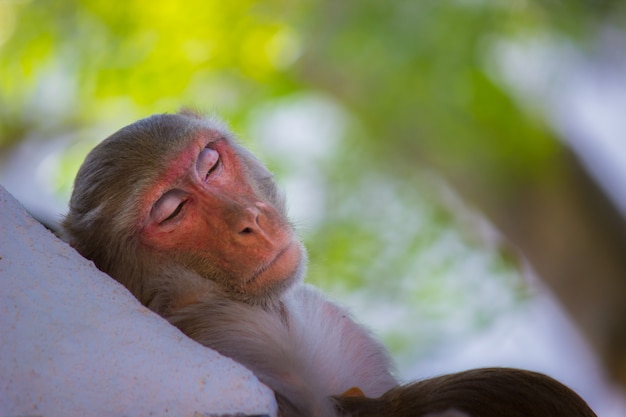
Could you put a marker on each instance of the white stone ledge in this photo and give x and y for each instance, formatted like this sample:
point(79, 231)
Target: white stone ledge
point(73, 342)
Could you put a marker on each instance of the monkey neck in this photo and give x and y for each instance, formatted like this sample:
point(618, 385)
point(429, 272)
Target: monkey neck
point(175, 287)
point(281, 311)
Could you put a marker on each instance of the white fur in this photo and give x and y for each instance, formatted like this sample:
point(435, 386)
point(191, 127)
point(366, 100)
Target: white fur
point(306, 351)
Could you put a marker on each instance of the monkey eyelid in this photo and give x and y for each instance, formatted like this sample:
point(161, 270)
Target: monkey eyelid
point(176, 212)
point(214, 167)
point(169, 206)
point(208, 161)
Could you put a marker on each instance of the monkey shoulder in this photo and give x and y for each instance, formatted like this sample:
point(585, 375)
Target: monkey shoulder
point(341, 349)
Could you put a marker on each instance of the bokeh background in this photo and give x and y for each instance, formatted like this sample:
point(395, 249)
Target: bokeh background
point(457, 168)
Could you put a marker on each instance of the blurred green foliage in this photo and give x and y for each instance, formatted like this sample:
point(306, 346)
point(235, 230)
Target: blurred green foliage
point(411, 77)
point(91, 59)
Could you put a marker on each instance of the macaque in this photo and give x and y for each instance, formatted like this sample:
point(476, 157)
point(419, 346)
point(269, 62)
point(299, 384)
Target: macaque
point(194, 226)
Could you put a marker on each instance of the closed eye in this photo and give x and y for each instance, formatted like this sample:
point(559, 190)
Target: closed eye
point(169, 206)
point(213, 168)
point(176, 212)
point(208, 161)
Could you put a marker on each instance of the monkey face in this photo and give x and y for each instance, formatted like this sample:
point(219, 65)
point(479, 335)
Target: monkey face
point(172, 194)
point(205, 212)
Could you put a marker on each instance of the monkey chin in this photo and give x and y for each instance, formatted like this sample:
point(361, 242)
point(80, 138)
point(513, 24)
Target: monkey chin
point(278, 275)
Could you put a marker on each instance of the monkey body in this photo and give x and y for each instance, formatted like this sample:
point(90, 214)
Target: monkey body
point(194, 226)
point(305, 348)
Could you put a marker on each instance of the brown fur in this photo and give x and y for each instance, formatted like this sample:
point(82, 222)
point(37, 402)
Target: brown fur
point(488, 392)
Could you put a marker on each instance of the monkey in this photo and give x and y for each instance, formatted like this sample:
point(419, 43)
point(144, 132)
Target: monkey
point(195, 227)
point(186, 218)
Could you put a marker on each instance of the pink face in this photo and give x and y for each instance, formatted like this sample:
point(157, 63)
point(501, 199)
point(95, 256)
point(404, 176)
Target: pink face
point(205, 206)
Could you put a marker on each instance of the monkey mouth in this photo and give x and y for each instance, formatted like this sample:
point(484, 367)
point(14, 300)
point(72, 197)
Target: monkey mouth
point(267, 266)
point(281, 267)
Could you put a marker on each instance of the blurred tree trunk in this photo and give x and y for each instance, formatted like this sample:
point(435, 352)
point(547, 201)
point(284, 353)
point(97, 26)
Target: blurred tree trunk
point(576, 241)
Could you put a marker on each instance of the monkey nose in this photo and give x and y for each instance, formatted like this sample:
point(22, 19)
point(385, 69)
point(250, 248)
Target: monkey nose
point(250, 221)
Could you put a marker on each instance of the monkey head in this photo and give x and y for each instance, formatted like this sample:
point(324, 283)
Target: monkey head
point(171, 206)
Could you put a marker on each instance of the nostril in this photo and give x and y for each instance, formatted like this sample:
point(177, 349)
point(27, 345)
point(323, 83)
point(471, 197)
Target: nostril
point(249, 221)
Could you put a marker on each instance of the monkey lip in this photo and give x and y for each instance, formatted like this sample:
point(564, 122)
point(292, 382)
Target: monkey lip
point(279, 268)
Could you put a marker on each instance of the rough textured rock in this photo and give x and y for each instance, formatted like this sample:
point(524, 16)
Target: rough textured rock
point(73, 342)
